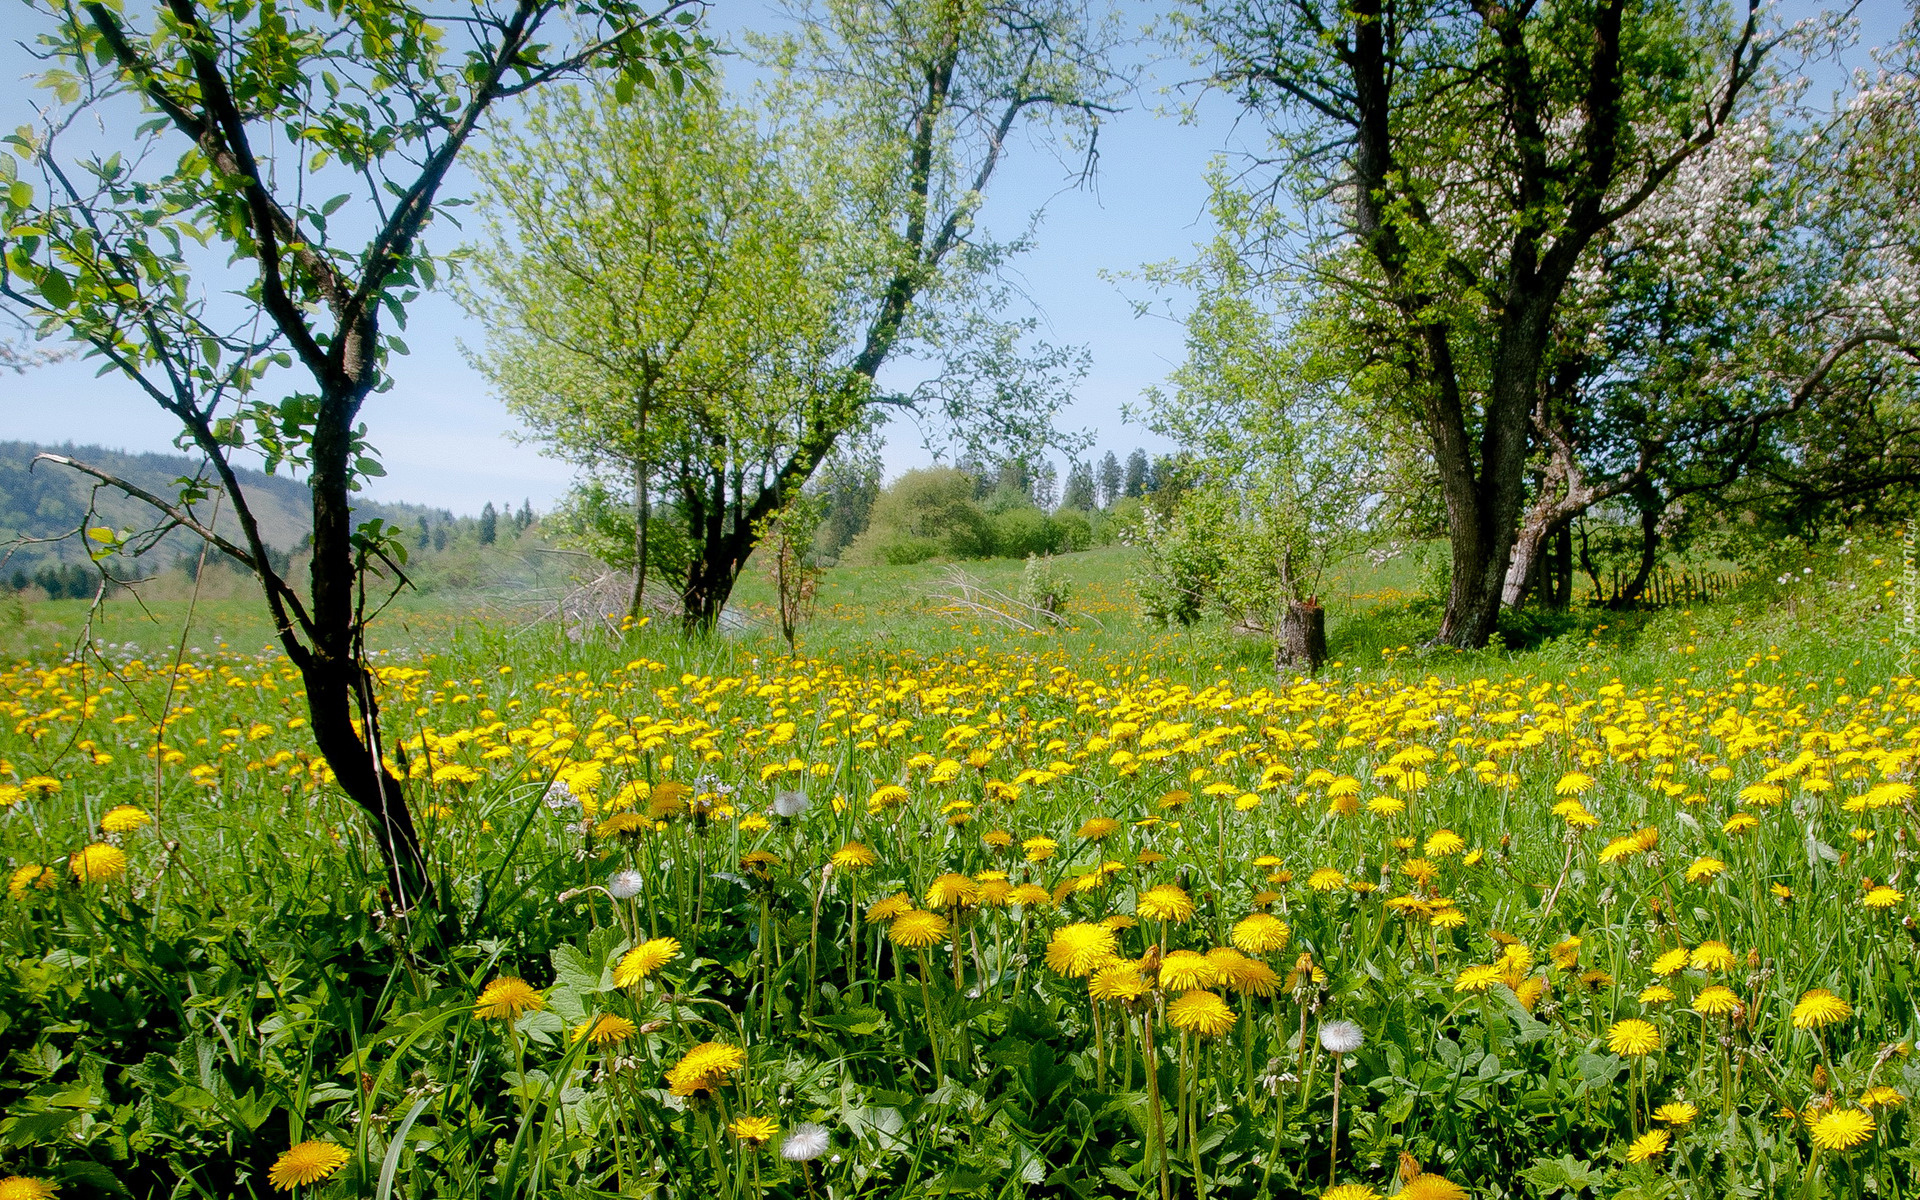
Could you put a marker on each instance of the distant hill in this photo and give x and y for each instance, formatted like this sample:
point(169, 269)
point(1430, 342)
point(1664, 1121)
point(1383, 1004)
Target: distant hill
point(46, 500)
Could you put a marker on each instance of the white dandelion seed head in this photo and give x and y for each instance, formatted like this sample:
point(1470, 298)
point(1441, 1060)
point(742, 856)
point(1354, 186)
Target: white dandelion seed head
point(806, 1143)
point(789, 803)
point(624, 885)
point(1341, 1037)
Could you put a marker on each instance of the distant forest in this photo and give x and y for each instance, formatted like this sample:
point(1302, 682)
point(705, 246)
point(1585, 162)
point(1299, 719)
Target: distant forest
point(46, 508)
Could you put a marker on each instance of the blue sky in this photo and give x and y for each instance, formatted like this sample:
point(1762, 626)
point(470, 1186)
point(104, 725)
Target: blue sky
point(446, 441)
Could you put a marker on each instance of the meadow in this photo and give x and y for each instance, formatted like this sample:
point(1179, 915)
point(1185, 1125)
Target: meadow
point(936, 907)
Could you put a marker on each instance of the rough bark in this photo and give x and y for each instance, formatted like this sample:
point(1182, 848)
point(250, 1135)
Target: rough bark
point(1300, 644)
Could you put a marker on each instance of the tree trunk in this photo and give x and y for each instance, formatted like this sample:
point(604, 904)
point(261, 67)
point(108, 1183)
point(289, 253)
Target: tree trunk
point(1560, 569)
point(339, 685)
point(1300, 644)
point(637, 603)
point(1649, 552)
point(334, 690)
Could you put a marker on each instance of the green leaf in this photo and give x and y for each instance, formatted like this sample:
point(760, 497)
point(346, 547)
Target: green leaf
point(861, 1021)
point(93, 1177)
point(56, 288)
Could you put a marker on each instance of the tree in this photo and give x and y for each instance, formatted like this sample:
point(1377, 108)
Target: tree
point(1079, 491)
point(489, 524)
point(1278, 476)
point(1572, 116)
point(1112, 482)
point(1138, 471)
point(248, 127)
point(659, 291)
point(882, 130)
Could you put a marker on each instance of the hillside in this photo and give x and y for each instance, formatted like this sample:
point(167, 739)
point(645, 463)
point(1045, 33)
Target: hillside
point(45, 500)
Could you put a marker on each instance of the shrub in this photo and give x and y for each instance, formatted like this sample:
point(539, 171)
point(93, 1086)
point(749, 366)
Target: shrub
point(1075, 529)
point(924, 513)
point(1023, 532)
point(1044, 587)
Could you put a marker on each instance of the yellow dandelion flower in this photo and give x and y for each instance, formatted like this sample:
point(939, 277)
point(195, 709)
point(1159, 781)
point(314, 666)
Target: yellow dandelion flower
point(1717, 1001)
point(1030, 895)
point(1261, 933)
point(1671, 963)
point(1326, 879)
point(1676, 1112)
point(1711, 956)
point(26, 1187)
point(889, 907)
point(1080, 949)
point(854, 856)
point(917, 930)
point(1565, 953)
point(890, 796)
point(1840, 1128)
point(1166, 902)
point(1200, 1012)
point(98, 863)
point(754, 1131)
point(1122, 984)
point(1247, 976)
point(705, 1068)
point(1763, 794)
point(1740, 822)
point(1184, 970)
point(31, 875)
point(1095, 829)
point(607, 1029)
point(1883, 795)
point(1431, 1187)
point(1447, 918)
point(506, 998)
point(125, 818)
point(1704, 867)
point(1476, 979)
point(1882, 897)
point(1658, 993)
point(1633, 1038)
point(1820, 1007)
point(1882, 1097)
point(1350, 1191)
point(1444, 843)
point(1651, 1144)
point(643, 960)
point(1573, 783)
point(952, 891)
point(1039, 849)
point(305, 1164)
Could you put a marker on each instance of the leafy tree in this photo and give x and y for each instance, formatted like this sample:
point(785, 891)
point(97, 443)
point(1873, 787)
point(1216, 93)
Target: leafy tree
point(1138, 470)
point(1278, 475)
point(815, 243)
point(249, 128)
point(1572, 116)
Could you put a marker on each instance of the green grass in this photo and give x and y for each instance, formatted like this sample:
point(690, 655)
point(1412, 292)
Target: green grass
point(245, 985)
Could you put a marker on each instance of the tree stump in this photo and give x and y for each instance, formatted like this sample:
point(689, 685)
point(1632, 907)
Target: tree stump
point(1301, 641)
